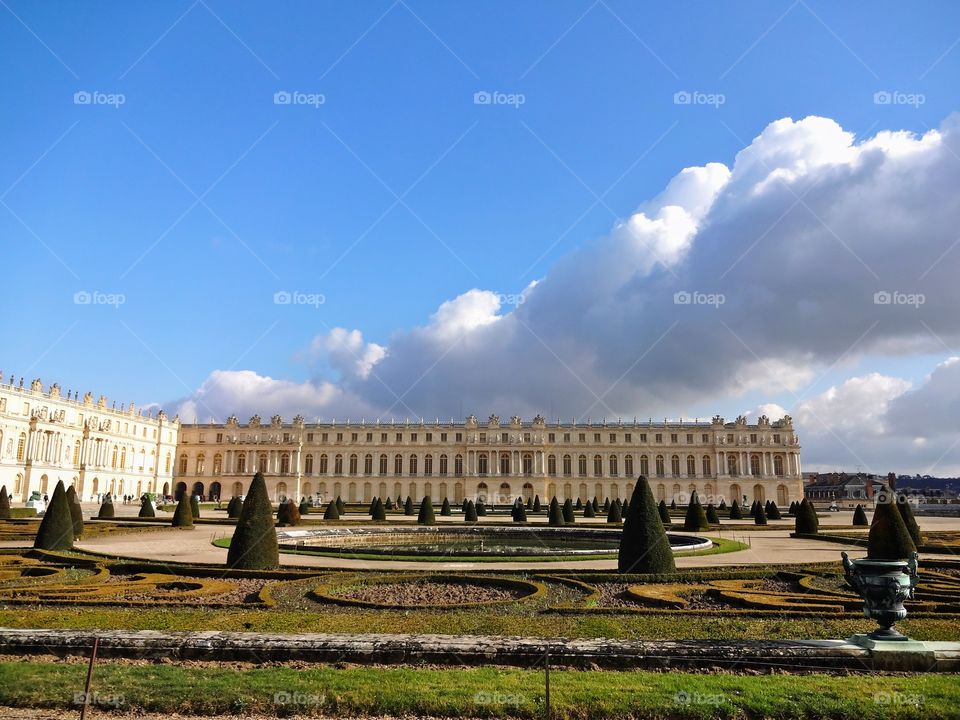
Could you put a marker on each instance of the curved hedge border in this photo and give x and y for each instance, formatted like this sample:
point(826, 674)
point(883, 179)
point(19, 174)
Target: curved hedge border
point(326, 593)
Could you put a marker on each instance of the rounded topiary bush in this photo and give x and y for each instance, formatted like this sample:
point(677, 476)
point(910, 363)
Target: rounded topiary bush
point(445, 508)
point(146, 508)
point(613, 514)
point(76, 512)
point(735, 512)
point(555, 516)
point(722, 506)
point(56, 528)
point(233, 507)
point(470, 514)
point(696, 518)
point(806, 521)
point(664, 512)
point(388, 505)
point(4, 504)
point(254, 544)
point(569, 518)
point(426, 515)
point(712, 516)
point(644, 547)
point(106, 508)
point(332, 512)
point(182, 516)
point(889, 538)
point(288, 513)
point(860, 517)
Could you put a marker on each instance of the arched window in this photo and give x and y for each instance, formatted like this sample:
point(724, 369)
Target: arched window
point(76, 454)
point(324, 464)
point(428, 465)
point(504, 463)
point(758, 493)
point(527, 491)
point(597, 466)
point(505, 495)
point(367, 467)
point(705, 465)
point(182, 469)
point(443, 467)
point(237, 489)
point(675, 465)
point(353, 464)
point(614, 466)
point(218, 464)
point(755, 465)
point(383, 467)
point(660, 469)
point(783, 495)
point(527, 462)
point(284, 463)
point(567, 465)
point(242, 463)
point(413, 465)
point(21, 446)
point(281, 491)
point(200, 463)
point(778, 465)
point(113, 457)
point(551, 464)
point(308, 465)
point(123, 458)
point(661, 492)
point(338, 464)
point(482, 491)
point(458, 465)
point(691, 466)
point(628, 465)
point(398, 464)
point(736, 493)
point(166, 463)
point(262, 463)
point(732, 465)
point(482, 464)
point(582, 465)
point(645, 466)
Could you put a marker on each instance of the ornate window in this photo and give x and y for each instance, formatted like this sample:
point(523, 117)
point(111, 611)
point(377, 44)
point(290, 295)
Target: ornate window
point(482, 465)
point(458, 465)
point(527, 461)
point(582, 465)
point(675, 465)
point(218, 464)
point(597, 466)
point(628, 465)
point(285, 463)
point(614, 466)
point(504, 463)
point(645, 466)
point(567, 465)
point(428, 465)
point(353, 464)
point(338, 465)
point(551, 464)
point(706, 465)
point(443, 465)
point(691, 466)
point(367, 467)
point(413, 465)
point(308, 465)
point(383, 467)
point(200, 463)
point(778, 465)
point(182, 469)
point(660, 469)
point(398, 464)
point(324, 464)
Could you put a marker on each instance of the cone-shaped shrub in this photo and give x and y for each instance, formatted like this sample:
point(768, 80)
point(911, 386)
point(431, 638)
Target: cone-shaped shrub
point(644, 547)
point(537, 507)
point(379, 511)
point(76, 513)
point(906, 513)
point(613, 514)
point(106, 508)
point(753, 509)
point(408, 506)
point(529, 503)
point(480, 508)
point(712, 516)
point(445, 508)
point(288, 513)
point(470, 514)
point(569, 518)
point(463, 506)
point(195, 506)
point(331, 513)
point(664, 513)
point(606, 504)
point(340, 506)
point(860, 517)
point(519, 513)
point(146, 508)
point(182, 517)
point(372, 505)
point(596, 504)
point(774, 512)
point(388, 505)
point(588, 510)
point(56, 528)
point(579, 505)
point(806, 522)
point(735, 512)
point(4, 504)
point(760, 518)
point(234, 507)
point(696, 518)
point(624, 506)
point(555, 518)
point(426, 516)
point(304, 508)
point(673, 504)
point(793, 508)
point(889, 538)
point(723, 505)
point(254, 544)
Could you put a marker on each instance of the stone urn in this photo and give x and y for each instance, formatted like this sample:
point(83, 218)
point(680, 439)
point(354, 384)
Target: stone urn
point(884, 585)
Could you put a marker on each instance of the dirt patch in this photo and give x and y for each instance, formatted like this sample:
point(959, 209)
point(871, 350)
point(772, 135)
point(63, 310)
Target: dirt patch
point(425, 592)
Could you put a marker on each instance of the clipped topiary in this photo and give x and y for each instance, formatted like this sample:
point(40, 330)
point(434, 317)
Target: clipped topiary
point(4, 504)
point(372, 504)
point(644, 547)
point(696, 518)
point(860, 517)
point(480, 508)
point(331, 513)
point(906, 513)
point(234, 507)
point(519, 513)
point(288, 513)
point(673, 504)
point(426, 515)
point(106, 508)
point(664, 513)
point(388, 505)
point(463, 505)
point(760, 517)
point(537, 507)
point(146, 508)
point(182, 517)
point(555, 517)
point(774, 512)
point(606, 504)
point(195, 507)
point(793, 508)
point(569, 518)
point(445, 508)
point(76, 512)
point(56, 528)
point(735, 512)
point(379, 511)
point(254, 544)
point(806, 522)
point(304, 508)
point(613, 514)
point(722, 506)
point(408, 506)
point(624, 506)
point(578, 505)
point(889, 538)
point(340, 506)
point(712, 516)
point(596, 504)
point(470, 514)
point(588, 510)
point(529, 503)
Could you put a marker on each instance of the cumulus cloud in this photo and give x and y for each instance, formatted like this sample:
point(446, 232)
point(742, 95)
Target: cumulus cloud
point(813, 247)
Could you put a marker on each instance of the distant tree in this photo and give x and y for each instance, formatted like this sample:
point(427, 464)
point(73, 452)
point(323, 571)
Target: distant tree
point(56, 529)
point(723, 505)
point(860, 517)
point(579, 505)
point(470, 514)
point(106, 508)
point(408, 506)
point(537, 507)
point(569, 518)
point(195, 507)
point(774, 512)
point(588, 510)
point(445, 508)
point(372, 505)
point(596, 504)
point(806, 522)
point(146, 508)
point(735, 512)
point(696, 518)
point(519, 513)
point(388, 505)
point(673, 504)
point(304, 508)
point(331, 513)
point(480, 507)
point(254, 543)
point(529, 503)
point(613, 513)
point(664, 513)
point(712, 516)
point(426, 515)
point(341, 508)
point(644, 547)
point(463, 507)
point(760, 518)
point(234, 507)
point(606, 504)
point(288, 513)
point(555, 518)
point(76, 512)
point(182, 517)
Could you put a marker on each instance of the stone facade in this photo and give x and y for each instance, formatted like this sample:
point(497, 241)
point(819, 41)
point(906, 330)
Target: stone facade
point(46, 436)
point(495, 460)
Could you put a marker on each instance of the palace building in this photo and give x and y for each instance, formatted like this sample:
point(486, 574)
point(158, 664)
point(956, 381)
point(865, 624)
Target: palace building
point(495, 461)
point(46, 437)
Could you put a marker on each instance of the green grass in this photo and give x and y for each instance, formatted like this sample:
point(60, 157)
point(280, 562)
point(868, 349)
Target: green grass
point(480, 692)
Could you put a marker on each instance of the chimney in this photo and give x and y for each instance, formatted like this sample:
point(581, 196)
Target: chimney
point(892, 480)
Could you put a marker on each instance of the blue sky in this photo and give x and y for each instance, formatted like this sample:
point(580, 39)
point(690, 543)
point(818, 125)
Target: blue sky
point(198, 198)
